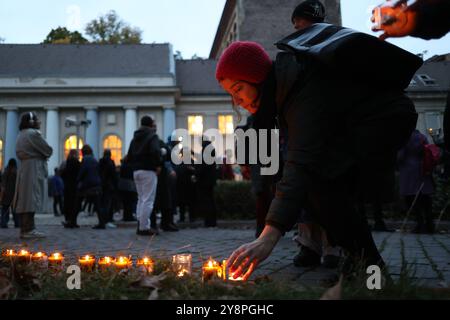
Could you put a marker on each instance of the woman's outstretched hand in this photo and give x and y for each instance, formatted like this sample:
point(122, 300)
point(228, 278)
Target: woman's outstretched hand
point(246, 258)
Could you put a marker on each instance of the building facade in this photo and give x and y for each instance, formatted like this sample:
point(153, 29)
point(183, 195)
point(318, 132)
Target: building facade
point(263, 21)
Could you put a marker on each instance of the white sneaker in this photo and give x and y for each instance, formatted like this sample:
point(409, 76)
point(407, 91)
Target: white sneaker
point(33, 234)
point(111, 225)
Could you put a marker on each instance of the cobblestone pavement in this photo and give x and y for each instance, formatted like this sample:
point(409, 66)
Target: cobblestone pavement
point(428, 256)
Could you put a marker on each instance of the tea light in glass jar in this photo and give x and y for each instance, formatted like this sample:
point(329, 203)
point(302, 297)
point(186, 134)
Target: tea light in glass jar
point(39, 258)
point(105, 262)
point(211, 269)
point(123, 263)
point(87, 263)
point(55, 260)
point(146, 263)
point(24, 255)
point(182, 264)
point(9, 253)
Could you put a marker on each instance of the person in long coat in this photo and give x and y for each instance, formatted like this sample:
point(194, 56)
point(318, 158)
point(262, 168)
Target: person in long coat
point(33, 152)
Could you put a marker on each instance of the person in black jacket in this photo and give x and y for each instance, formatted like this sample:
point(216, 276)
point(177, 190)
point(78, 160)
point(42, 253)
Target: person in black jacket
point(88, 187)
point(8, 188)
point(69, 173)
point(108, 177)
point(144, 157)
point(339, 120)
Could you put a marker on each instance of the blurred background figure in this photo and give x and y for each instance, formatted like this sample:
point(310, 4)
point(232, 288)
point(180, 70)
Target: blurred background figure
point(8, 187)
point(56, 191)
point(127, 191)
point(416, 184)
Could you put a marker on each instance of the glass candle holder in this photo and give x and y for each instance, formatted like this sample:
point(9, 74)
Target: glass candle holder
point(105, 263)
point(55, 261)
point(123, 263)
point(182, 264)
point(211, 270)
point(40, 259)
point(24, 256)
point(9, 254)
point(146, 264)
point(87, 263)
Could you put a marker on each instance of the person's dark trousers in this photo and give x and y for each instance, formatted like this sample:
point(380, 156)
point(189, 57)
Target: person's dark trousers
point(26, 222)
point(5, 217)
point(96, 200)
point(70, 204)
point(106, 204)
point(129, 200)
point(58, 201)
point(423, 212)
point(263, 201)
point(173, 195)
point(333, 205)
point(206, 206)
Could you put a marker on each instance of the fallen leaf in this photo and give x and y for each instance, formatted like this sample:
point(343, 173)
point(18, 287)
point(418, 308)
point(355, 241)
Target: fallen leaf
point(335, 292)
point(154, 295)
point(152, 281)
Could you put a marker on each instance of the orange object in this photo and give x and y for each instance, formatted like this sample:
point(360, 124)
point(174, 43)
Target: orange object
point(395, 20)
point(146, 263)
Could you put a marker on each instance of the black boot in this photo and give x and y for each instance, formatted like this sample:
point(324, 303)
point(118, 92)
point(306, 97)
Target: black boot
point(306, 258)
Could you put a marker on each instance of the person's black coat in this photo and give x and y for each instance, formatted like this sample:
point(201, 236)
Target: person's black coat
point(144, 152)
point(333, 127)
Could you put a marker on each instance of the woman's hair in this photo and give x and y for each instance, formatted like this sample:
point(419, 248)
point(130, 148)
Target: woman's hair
point(73, 153)
point(86, 150)
point(28, 120)
point(12, 163)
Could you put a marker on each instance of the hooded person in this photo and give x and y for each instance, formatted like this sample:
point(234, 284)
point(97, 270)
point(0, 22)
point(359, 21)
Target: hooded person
point(335, 128)
point(144, 157)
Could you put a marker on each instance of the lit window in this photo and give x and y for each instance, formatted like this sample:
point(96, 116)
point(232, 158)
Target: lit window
point(114, 143)
point(226, 125)
point(71, 143)
point(1, 154)
point(195, 125)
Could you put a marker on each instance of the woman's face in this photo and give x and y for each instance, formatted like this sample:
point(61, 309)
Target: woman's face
point(244, 94)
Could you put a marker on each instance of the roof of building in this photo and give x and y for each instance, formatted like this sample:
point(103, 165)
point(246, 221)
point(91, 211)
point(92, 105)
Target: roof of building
point(198, 77)
point(434, 75)
point(89, 60)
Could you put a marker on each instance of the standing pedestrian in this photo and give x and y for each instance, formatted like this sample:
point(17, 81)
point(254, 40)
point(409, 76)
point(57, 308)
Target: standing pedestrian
point(33, 152)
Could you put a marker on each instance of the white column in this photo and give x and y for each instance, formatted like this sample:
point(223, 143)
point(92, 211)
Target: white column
point(130, 124)
point(92, 131)
point(12, 129)
point(169, 121)
point(52, 137)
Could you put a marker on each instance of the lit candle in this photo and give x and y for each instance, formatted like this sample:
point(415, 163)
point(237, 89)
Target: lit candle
point(146, 263)
point(182, 264)
point(229, 277)
point(9, 253)
point(123, 263)
point(55, 260)
point(39, 256)
point(211, 269)
point(105, 262)
point(24, 255)
point(87, 263)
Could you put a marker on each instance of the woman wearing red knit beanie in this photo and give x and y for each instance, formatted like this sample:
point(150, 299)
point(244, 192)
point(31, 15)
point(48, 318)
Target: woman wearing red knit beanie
point(341, 129)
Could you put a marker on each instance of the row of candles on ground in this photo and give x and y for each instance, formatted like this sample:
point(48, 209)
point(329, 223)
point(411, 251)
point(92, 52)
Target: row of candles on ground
point(182, 263)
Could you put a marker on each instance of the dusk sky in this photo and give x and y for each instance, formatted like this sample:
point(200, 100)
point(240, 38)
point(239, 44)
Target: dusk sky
point(189, 25)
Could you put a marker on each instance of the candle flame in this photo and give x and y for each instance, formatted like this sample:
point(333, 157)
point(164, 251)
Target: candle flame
point(24, 252)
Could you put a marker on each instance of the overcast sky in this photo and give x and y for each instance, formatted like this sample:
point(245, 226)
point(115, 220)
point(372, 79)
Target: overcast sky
point(190, 25)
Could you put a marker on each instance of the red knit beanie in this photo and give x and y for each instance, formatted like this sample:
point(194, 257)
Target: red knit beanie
point(244, 60)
